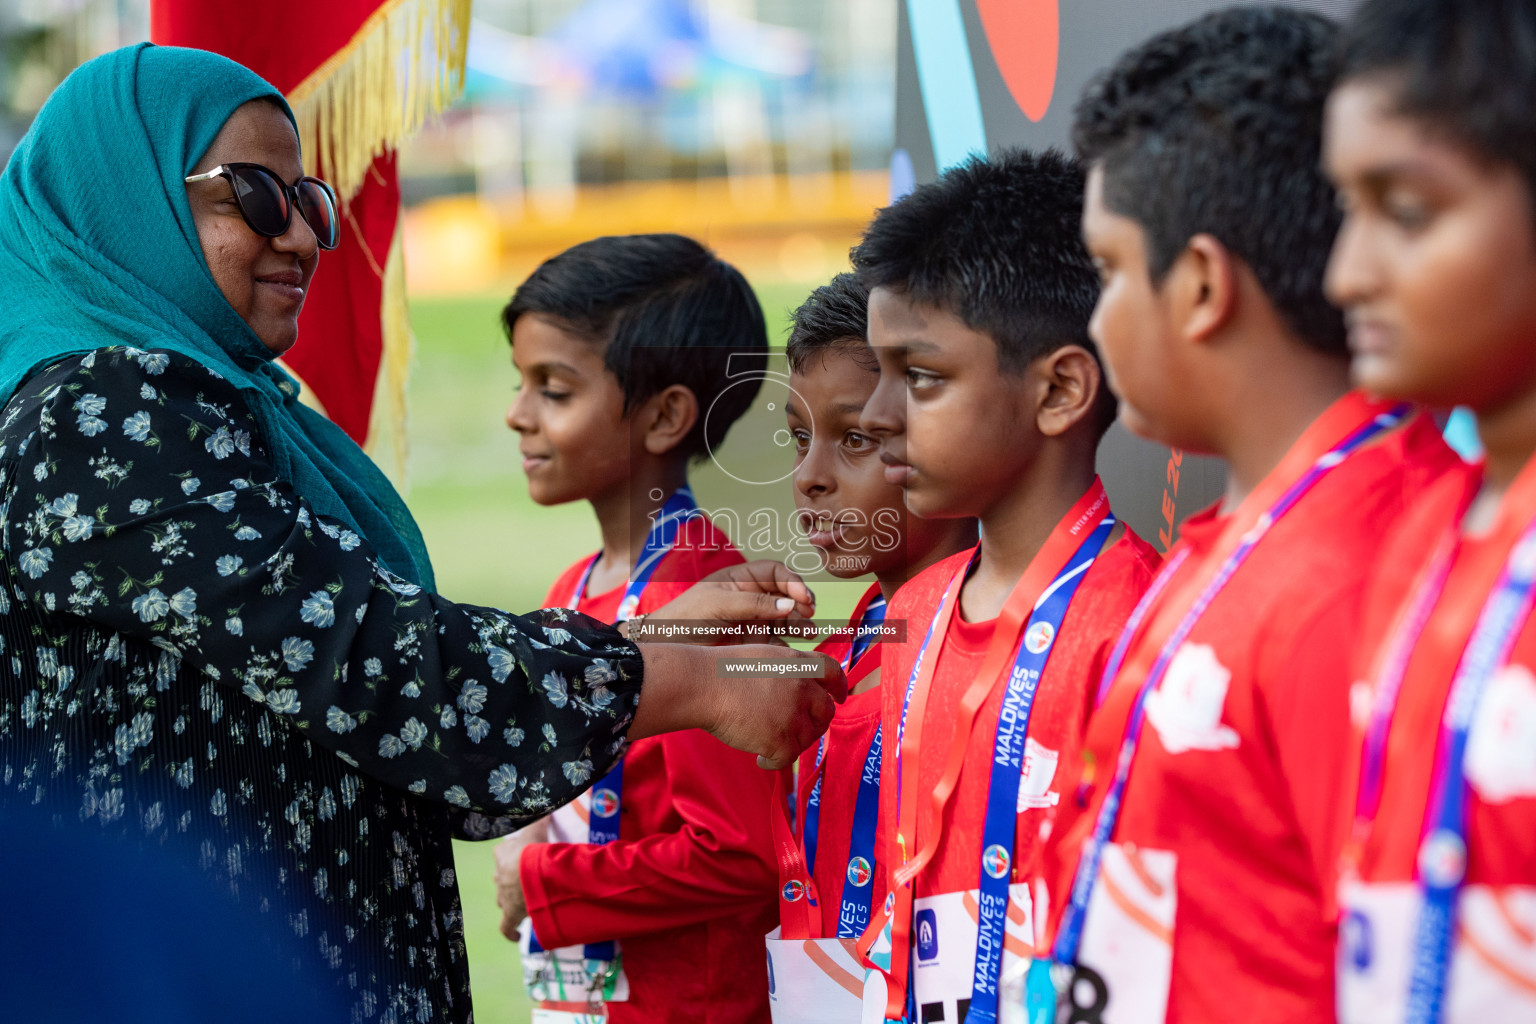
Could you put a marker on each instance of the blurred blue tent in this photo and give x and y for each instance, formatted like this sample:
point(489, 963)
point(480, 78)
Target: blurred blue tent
point(634, 49)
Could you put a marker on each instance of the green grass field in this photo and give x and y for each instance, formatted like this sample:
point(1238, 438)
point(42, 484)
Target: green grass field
point(492, 545)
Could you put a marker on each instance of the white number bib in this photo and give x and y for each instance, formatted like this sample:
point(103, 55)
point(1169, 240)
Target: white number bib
point(821, 981)
point(569, 823)
point(1493, 961)
point(545, 1015)
point(943, 960)
point(1125, 961)
point(563, 978)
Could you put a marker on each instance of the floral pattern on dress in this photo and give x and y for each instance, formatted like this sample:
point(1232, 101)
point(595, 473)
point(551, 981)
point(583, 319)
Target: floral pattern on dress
point(188, 653)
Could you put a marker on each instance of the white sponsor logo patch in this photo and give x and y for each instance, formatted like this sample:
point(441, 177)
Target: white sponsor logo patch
point(1501, 746)
point(1186, 709)
point(1039, 772)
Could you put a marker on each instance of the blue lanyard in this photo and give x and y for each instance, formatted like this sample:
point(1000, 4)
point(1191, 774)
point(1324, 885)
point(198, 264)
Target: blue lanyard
point(607, 794)
point(853, 914)
point(874, 614)
point(678, 510)
point(858, 880)
point(1007, 768)
point(1443, 851)
point(603, 828)
point(1070, 935)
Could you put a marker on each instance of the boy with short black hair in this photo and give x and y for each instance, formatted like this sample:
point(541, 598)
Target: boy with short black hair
point(990, 404)
point(859, 525)
point(1190, 872)
point(1431, 141)
point(623, 345)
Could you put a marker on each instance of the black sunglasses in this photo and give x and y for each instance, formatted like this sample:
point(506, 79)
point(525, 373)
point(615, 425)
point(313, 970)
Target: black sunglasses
point(267, 202)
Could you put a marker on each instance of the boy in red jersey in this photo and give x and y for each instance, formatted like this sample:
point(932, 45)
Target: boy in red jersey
point(1190, 869)
point(990, 404)
point(662, 877)
point(859, 525)
point(1431, 141)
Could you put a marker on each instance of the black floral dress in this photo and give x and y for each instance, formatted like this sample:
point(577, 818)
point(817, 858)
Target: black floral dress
point(189, 655)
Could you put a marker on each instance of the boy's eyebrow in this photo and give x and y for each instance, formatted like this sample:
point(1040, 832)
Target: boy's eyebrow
point(905, 347)
point(1383, 174)
point(553, 367)
point(841, 409)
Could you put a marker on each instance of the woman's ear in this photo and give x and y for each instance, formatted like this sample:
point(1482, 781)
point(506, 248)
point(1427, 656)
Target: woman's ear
point(1072, 381)
point(667, 417)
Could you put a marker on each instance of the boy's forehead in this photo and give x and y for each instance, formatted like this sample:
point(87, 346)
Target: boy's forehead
point(897, 320)
point(835, 378)
point(1102, 224)
point(538, 339)
point(838, 357)
point(893, 310)
point(1094, 209)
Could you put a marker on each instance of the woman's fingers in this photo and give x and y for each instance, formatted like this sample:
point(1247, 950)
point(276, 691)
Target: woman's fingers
point(803, 731)
point(779, 712)
point(711, 614)
point(762, 591)
point(833, 683)
point(766, 576)
point(761, 606)
point(780, 579)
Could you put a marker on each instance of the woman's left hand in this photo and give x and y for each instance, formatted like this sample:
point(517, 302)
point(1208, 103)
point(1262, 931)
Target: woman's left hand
point(508, 876)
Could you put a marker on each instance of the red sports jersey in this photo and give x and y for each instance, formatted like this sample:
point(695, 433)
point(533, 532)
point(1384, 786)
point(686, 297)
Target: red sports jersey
point(945, 891)
point(847, 743)
point(1494, 961)
point(1212, 897)
point(689, 886)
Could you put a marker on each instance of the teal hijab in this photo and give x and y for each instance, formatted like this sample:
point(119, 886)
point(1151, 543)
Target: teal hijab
point(98, 248)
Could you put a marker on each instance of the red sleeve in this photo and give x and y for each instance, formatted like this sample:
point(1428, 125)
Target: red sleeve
point(719, 862)
point(1309, 713)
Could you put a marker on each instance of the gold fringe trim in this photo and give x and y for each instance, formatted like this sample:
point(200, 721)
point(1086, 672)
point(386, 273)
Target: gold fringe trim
point(387, 443)
point(404, 65)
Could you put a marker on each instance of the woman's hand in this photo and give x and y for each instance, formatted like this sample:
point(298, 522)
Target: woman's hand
point(769, 701)
point(508, 876)
point(715, 608)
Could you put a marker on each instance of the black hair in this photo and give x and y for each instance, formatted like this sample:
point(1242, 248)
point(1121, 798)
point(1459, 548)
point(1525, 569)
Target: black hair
point(1468, 69)
point(667, 311)
point(1216, 127)
point(998, 243)
point(836, 315)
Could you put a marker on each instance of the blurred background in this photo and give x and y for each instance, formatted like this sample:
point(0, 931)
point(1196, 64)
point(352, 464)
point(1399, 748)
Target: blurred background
point(761, 127)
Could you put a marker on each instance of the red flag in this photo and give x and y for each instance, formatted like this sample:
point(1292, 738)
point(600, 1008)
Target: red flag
point(360, 76)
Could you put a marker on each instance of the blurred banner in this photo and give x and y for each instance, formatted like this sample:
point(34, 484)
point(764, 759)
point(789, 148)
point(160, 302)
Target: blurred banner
point(361, 75)
point(973, 75)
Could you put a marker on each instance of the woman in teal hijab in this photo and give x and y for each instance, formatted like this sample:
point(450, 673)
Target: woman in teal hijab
point(218, 624)
point(96, 204)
